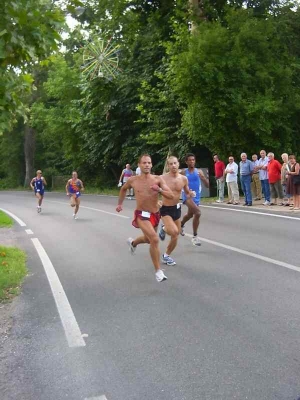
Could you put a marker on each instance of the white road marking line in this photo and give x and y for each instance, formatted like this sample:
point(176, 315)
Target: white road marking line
point(96, 398)
point(29, 231)
point(93, 209)
point(19, 221)
point(251, 212)
point(249, 253)
point(72, 331)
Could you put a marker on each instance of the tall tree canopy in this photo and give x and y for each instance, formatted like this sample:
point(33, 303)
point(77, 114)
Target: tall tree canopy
point(200, 76)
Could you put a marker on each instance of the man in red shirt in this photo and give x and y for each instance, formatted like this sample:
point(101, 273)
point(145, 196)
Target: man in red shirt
point(220, 179)
point(274, 172)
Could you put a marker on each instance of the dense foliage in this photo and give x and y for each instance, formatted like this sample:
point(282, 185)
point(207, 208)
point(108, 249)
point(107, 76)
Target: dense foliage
point(210, 76)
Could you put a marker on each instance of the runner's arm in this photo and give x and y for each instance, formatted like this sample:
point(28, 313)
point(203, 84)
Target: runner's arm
point(44, 180)
point(164, 189)
point(122, 193)
point(31, 183)
point(67, 187)
point(186, 188)
point(203, 178)
point(82, 187)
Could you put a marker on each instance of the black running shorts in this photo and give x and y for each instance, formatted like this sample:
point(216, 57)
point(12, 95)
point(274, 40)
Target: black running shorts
point(172, 211)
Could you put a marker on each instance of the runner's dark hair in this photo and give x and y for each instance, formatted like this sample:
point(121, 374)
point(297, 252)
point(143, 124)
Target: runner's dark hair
point(188, 155)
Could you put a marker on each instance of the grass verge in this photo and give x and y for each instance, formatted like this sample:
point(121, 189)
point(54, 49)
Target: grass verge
point(5, 220)
point(12, 271)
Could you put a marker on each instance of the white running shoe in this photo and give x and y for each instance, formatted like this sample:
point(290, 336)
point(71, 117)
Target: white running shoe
point(167, 260)
point(160, 276)
point(131, 247)
point(75, 216)
point(182, 233)
point(196, 241)
point(266, 203)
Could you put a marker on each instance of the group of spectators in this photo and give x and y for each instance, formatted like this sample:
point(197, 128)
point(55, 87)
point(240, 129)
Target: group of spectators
point(266, 177)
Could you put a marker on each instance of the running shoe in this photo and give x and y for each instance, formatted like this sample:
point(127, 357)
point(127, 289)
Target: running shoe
point(160, 276)
point(167, 260)
point(266, 203)
point(196, 241)
point(162, 233)
point(182, 233)
point(131, 247)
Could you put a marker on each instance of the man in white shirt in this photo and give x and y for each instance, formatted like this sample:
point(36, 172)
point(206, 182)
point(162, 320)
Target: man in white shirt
point(255, 184)
point(231, 172)
point(262, 167)
point(138, 171)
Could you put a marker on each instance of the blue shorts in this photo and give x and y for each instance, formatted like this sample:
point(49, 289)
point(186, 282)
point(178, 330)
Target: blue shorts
point(197, 202)
point(77, 194)
point(41, 192)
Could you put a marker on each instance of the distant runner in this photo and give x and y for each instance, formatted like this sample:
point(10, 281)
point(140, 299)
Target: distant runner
point(74, 187)
point(146, 216)
point(38, 185)
point(194, 177)
point(170, 210)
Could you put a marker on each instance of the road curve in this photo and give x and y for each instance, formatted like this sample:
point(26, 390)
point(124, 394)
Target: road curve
point(224, 326)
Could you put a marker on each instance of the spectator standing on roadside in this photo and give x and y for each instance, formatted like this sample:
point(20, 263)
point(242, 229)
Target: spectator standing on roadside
point(255, 185)
point(262, 167)
point(285, 169)
point(219, 175)
point(274, 172)
point(246, 169)
point(294, 181)
point(231, 172)
point(125, 175)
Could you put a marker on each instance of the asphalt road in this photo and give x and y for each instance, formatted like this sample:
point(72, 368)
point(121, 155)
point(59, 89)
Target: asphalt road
point(224, 326)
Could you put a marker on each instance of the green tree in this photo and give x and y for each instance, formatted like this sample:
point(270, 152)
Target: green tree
point(238, 84)
point(29, 31)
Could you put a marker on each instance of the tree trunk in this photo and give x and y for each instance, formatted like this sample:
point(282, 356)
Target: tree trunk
point(196, 6)
point(29, 151)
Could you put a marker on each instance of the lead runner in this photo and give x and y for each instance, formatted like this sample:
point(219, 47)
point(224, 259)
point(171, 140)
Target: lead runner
point(147, 187)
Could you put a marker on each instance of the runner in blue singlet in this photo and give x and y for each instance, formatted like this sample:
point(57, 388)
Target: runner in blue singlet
point(38, 185)
point(194, 177)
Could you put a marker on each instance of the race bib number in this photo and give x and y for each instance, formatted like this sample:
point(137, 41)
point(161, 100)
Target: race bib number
point(145, 214)
point(38, 190)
